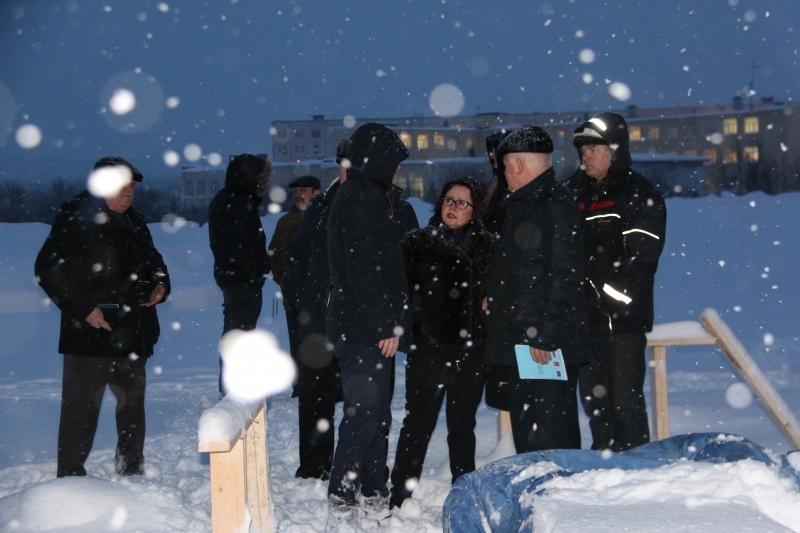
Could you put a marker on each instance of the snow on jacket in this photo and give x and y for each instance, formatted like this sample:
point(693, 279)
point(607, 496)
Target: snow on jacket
point(234, 228)
point(369, 293)
point(447, 282)
point(91, 258)
point(535, 281)
point(625, 221)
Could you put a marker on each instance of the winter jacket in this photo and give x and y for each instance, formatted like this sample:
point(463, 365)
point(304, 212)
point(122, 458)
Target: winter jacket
point(369, 293)
point(93, 258)
point(235, 233)
point(447, 282)
point(535, 281)
point(306, 273)
point(284, 232)
point(625, 221)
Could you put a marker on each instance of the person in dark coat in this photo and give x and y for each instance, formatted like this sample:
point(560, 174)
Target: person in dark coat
point(237, 240)
point(447, 264)
point(367, 314)
point(304, 189)
point(625, 222)
point(535, 293)
point(100, 268)
point(306, 280)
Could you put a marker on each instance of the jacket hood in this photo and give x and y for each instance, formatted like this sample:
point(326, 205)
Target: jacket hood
point(243, 173)
point(375, 151)
point(609, 129)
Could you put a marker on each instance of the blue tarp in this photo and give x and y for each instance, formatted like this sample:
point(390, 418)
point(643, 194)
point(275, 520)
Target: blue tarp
point(486, 500)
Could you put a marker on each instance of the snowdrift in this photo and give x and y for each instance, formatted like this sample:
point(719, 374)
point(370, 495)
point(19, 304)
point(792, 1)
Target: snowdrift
point(514, 494)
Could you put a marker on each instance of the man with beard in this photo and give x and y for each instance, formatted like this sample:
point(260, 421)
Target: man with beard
point(535, 293)
point(367, 316)
point(307, 279)
point(303, 190)
point(101, 269)
point(241, 263)
point(625, 221)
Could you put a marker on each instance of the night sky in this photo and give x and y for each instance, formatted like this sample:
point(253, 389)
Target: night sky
point(215, 74)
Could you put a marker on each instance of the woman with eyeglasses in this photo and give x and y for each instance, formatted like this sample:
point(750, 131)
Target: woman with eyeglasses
point(447, 264)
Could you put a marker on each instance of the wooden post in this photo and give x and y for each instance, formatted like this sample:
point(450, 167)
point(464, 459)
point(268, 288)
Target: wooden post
point(257, 473)
point(503, 424)
point(768, 397)
point(658, 386)
point(228, 497)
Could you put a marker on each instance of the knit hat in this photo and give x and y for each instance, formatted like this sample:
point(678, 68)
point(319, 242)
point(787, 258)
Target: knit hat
point(532, 139)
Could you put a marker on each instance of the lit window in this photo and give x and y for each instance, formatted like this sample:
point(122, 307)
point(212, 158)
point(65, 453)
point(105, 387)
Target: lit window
point(751, 125)
point(653, 133)
point(672, 132)
point(468, 143)
point(438, 140)
point(731, 156)
point(690, 152)
point(422, 142)
point(417, 186)
point(406, 138)
point(188, 188)
point(200, 189)
point(400, 181)
point(711, 155)
point(214, 187)
point(751, 153)
point(730, 126)
point(635, 133)
point(452, 144)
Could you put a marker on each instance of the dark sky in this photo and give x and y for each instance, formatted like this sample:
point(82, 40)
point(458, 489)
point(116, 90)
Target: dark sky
point(236, 65)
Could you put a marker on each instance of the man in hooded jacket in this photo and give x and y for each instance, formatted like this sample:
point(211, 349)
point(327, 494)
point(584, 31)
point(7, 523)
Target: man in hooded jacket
point(100, 267)
point(237, 239)
point(367, 313)
point(624, 227)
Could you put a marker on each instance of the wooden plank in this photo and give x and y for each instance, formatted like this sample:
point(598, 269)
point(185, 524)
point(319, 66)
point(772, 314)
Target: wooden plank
point(214, 447)
point(762, 389)
point(257, 473)
point(227, 490)
point(659, 391)
point(682, 342)
point(503, 424)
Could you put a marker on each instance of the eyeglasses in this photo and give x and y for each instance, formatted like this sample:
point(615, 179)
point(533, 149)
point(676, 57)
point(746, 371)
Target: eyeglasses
point(460, 204)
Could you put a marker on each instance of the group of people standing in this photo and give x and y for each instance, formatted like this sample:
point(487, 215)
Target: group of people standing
point(530, 263)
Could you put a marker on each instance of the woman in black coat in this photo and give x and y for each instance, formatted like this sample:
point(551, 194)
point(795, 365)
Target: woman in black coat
point(447, 264)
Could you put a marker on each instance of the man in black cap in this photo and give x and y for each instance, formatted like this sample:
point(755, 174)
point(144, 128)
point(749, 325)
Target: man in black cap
point(237, 239)
point(535, 296)
point(303, 189)
point(100, 267)
point(367, 316)
point(307, 278)
point(625, 220)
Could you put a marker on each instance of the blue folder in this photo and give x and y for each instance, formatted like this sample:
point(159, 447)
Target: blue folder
point(530, 369)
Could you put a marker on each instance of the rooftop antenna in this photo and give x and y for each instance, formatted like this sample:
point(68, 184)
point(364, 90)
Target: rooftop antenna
point(751, 91)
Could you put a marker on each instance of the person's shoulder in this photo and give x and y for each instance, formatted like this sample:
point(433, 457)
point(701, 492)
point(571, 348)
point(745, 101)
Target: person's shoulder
point(639, 187)
point(420, 236)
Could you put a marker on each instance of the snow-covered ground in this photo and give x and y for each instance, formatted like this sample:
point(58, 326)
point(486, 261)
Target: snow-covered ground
point(736, 254)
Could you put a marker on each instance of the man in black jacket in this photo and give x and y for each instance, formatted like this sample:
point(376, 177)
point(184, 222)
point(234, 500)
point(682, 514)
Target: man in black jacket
point(367, 314)
point(625, 223)
point(534, 293)
point(100, 267)
point(237, 239)
point(306, 279)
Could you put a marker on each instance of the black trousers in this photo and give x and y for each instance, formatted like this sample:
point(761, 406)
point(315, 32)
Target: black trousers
point(84, 383)
point(293, 327)
point(319, 388)
point(360, 459)
point(241, 307)
point(429, 376)
point(612, 391)
point(544, 412)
